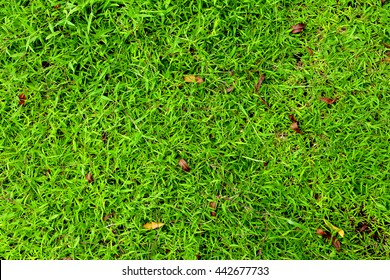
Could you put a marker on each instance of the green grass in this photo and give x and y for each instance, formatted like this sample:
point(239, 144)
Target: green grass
point(117, 67)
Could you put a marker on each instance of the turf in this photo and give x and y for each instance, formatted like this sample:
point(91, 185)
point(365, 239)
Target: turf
point(105, 96)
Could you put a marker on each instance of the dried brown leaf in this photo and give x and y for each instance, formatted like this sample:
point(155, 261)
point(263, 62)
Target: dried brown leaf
point(311, 52)
point(104, 137)
point(152, 225)
point(292, 118)
point(295, 127)
point(184, 165)
point(229, 89)
point(386, 45)
point(57, 6)
point(193, 79)
point(199, 80)
point(22, 99)
point(364, 227)
point(387, 53)
point(213, 205)
point(320, 232)
point(109, 216)
point(259, 82)
point(328, 100)
point(298, 28)
point(336, 243)
point(213, 213)
point(383, 2)
point(89, 177)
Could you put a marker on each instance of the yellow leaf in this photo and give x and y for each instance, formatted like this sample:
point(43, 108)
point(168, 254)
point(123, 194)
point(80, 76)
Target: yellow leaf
point(193, 79)
point(152, 225)
point(190, 78)
point(332, 227)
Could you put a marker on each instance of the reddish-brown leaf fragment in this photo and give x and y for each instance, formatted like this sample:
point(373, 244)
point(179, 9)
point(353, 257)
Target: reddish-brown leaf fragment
point(229, 89)
point(311, 52)
point(292, 118)
point(104, 137)
point(89, 178)
point(320, 232)
point(213, 213)
point(57, 6)
point(213, 205)
point(383, 2)
point(259, 82)
point(184, 165)
point(295, 127)
point(108, 216)
point(386, 45)
point(22, 99)
point(364, 227)
point(198, 257)
point(328, 100)
point(336, 243)
point(297, 28)
point(199, 80)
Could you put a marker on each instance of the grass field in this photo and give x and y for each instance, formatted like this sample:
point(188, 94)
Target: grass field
point(96, 114)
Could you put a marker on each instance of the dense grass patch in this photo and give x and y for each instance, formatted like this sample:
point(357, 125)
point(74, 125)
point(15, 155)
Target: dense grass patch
point(105, 95)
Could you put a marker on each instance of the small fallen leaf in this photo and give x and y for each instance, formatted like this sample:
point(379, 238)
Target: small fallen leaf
point(89, 178)
point(364, 227)
point(198, 257)
point(213, 213)
point(213, 205)
point(311, 52)
point(104, 137)
point(189, 78)
point(387, 53)
point(336, 243)
point(332, 227)
point(57, 6)
point(108, 216)
point(328, 100)
point(229, 89)
point(199, 80)
point(193, 79)
point(295, 127)
point(386, 45)
point(383, 2)
point(297, 28)
point(321, 232)
point(292, 118)
point(259, 82)
point(184, 165)
point(329, 236)
point(152, 225)
point(22, 99)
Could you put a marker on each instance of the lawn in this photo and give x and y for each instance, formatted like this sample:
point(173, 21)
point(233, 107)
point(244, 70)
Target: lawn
point(99, 100)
